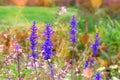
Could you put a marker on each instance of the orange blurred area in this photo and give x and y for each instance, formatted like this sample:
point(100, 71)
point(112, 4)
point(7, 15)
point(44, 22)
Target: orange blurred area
point(93, 3)
point(96, 3)
point(19, 2)
point(27, 2)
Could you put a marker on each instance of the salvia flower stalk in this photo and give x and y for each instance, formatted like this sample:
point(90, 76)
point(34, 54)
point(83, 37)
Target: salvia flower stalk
point(73, 31)
point(47, 46)
point(17, 50)
point(96, 44)
point(97, 76)
point(33, 41)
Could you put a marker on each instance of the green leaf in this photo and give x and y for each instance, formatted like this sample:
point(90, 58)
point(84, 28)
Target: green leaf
point(27, 71)
point(13, 69)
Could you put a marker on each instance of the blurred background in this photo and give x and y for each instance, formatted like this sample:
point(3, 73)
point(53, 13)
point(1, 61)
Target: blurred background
point(113, 6)
point(23, 12)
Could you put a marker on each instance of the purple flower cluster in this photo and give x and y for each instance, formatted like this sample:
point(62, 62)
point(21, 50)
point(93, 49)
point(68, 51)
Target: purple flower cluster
point(97, 76)
point(86, 64)
point(17, 48)
point(95, 46)
point(73, 30)
point(33, 41)
point(47, 45)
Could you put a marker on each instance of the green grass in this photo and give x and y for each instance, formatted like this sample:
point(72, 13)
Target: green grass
point(23, 16)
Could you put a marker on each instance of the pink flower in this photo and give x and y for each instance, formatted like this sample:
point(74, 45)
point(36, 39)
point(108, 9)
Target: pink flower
point(1, 48)
point(63, 9)
point(55, 65)
point(87, 73)
point(5, 35)
point(14, 56)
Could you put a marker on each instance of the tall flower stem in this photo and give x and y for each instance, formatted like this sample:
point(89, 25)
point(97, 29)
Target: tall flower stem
point(73, 40)
point(51, 69)
point(35, 65)
point(18, 66)
point(72, 71)
point(17, 50)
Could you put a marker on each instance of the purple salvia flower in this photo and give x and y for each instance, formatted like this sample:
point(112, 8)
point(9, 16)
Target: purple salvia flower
point(97, 76)
point(73, 30)
point(33, 41)
point(86, 64)
point(17, 48)
point(95, 46)
point(47, 45)
point(47, 48)
point(91, 61)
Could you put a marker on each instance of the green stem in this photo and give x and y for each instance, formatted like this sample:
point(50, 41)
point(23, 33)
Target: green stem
point(72, 71)
point(51, 70)
point(18, 65)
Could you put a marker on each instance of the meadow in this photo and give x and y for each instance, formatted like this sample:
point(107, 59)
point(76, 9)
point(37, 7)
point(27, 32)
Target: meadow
point(58, 43)
point(23, 16)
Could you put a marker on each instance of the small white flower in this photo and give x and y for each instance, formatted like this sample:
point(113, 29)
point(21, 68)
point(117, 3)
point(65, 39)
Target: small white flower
point(114, 66)
point(101, 69)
